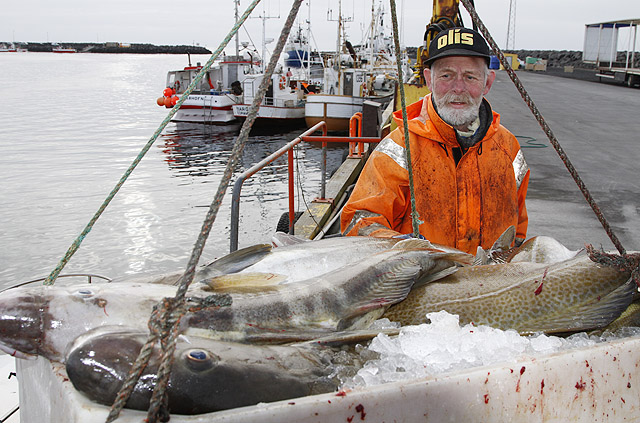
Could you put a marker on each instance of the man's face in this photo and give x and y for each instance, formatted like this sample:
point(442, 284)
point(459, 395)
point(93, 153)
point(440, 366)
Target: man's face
point(458, 84)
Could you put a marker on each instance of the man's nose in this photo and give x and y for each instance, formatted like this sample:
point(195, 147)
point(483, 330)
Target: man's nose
point(458, 85)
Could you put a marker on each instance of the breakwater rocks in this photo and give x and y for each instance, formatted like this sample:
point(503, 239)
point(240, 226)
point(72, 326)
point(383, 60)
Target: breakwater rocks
point(113, 47)
point(560, 59)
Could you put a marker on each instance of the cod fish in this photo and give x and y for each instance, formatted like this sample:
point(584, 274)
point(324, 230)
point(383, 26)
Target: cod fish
point(294, 260)
point(207, 375)
point(44, 320)
point(571, 295)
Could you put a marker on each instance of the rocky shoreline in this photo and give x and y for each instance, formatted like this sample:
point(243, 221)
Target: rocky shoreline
point(112, 47)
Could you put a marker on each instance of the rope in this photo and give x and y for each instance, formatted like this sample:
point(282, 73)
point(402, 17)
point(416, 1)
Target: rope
point(623, 262)
point(545, 127)
point(415, 217)
point(76, 244)
point(164, 318)
point(171, 310)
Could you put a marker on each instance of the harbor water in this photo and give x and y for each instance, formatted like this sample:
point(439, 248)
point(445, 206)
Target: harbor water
point(72, 125)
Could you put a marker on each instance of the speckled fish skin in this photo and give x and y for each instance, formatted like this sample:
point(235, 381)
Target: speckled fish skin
point(572, 295)
point(44, 320)
point(207, 375)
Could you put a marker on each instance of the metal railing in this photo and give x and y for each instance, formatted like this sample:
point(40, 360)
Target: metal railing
point(89, 276)
point(288, 148)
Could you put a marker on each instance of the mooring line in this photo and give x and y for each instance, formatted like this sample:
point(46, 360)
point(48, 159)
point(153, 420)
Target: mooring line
point(545, 127)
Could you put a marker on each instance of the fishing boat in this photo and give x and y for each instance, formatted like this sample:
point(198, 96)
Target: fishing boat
point(8, 49)
point(55, 48)
point(353, 75)
point(212, 101)
point(283, 102)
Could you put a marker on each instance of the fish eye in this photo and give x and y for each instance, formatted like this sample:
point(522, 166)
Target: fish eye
point(198, 359)
point(197, 355)
point(84, 293)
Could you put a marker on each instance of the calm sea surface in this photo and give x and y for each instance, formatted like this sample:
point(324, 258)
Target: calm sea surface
point(74, 122)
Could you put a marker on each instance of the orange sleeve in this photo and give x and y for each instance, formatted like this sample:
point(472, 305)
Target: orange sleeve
point(379, 201)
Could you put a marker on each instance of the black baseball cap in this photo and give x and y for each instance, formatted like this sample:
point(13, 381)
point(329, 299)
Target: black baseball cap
point(457, 42)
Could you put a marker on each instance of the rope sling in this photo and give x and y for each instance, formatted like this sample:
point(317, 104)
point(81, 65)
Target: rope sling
point(164, 322)
point(165, 318)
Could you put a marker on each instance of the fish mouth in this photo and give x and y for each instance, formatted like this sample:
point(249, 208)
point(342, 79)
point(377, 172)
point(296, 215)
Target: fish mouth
point(21, 324)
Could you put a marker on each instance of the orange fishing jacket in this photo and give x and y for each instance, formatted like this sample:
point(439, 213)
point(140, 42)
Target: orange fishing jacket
point(463, 206)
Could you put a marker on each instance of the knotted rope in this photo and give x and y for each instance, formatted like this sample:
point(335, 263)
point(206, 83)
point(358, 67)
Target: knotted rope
point(622, 262)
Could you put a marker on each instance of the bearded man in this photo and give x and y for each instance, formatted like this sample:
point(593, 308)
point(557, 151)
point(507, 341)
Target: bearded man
point(470, 177)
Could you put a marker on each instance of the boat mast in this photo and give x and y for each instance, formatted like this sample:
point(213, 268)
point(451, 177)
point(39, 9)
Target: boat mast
point(373, 17)
point(237, 3)
point(308, 41)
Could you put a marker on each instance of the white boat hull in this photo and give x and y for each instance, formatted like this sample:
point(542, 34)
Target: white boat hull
point(270, 112)
point(210, 109)
point(598, 383)
point(335, 110)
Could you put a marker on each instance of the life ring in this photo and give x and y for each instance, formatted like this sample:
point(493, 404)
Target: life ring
point(283, 82)
point(176, 86)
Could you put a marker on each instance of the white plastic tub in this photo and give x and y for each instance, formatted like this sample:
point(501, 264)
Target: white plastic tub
point(595, 384)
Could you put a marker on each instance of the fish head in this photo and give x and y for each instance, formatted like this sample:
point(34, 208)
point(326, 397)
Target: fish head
point(21, 317)
point(206, 375)
point(44, 320)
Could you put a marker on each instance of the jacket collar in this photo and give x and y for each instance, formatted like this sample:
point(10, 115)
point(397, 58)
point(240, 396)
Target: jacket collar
point(424, 121)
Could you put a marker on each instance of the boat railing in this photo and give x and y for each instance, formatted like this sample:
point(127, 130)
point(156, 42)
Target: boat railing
point(356, 150)
point(282, 102)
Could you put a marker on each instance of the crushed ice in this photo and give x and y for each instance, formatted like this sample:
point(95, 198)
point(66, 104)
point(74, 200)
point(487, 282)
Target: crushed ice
point(443, 346)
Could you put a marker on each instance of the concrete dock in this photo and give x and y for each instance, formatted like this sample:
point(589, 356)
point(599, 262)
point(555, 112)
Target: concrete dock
point(598, 127)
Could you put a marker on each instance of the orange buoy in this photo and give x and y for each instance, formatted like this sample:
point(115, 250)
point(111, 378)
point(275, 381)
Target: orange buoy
point(167, 101)
point(174, 100)
point(160, 101)
point(167, 92)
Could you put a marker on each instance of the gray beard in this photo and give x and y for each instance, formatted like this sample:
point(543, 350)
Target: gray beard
point(458, 117)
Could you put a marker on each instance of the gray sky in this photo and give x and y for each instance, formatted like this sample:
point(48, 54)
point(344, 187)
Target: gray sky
point(540, 24)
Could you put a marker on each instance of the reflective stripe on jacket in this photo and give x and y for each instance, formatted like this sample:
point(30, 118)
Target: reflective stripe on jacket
point(463, 206)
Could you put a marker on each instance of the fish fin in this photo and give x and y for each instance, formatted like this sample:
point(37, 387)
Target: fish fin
point(434, 277)
point(341, 338)
point(360, 320)
point(244, 282)
point(235, 262)
point(502, 248)
point(392, 287)
point(505, 241)
point(291, 335)
point(592, 315)
point(280, 239)
point(459, 258)
point(481, 257)
point(630, 317)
